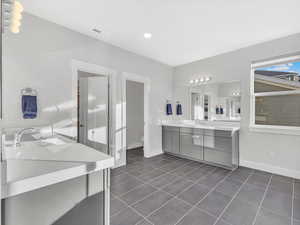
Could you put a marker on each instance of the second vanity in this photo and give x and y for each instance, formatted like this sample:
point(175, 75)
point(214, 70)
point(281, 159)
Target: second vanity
point(215, 143)
point(64, 182)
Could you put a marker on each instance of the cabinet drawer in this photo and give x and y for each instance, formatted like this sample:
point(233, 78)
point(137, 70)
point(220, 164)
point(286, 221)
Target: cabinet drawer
point(187, 130)
point(170, 128)
point(218, 133)
point(218, 157)
point(218, 143)
point(191, 146)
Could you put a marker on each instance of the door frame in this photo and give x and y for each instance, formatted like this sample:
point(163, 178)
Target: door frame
point(147, 86)
point(76, 66)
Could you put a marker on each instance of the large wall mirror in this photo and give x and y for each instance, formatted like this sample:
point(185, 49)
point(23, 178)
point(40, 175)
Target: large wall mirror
point(216, 101)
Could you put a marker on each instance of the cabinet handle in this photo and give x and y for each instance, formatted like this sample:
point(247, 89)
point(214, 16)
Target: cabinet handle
point(195, 136)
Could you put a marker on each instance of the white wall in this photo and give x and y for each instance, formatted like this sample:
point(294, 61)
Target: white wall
point(40, 57)
point(274, 152)
point(134, 114)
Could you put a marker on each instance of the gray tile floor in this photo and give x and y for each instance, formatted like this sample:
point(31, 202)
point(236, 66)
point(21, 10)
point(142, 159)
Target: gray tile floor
point(165, 190)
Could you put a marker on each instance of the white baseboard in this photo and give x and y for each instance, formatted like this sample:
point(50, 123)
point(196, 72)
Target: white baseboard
point(134, 145)
point(153, 153)
point(271, 169)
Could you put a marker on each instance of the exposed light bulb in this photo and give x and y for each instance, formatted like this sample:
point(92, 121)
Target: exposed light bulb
point(18, 7)
point(196, 81)
point(191, 81)
point(15, 29)
point(201, 79)
point(16, 16)
point(15, 23)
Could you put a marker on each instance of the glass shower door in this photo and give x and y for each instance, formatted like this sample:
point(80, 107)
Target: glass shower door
point(93, 131)
point(94, 111)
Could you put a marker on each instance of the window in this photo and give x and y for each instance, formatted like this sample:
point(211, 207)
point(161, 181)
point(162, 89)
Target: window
point(275, 94)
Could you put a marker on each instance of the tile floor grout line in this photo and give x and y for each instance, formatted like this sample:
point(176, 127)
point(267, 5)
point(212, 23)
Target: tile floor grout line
point(148, 182)
point(233, 197)
point(143, 184)
point(170, 172)
point(157, 190)
point(173, 196)
point(137, 212)
point(159, 168)
point(188, 187)
point(197, 207)
point(293, 199)
point(132, 189)
point(132, 204)
point(165, 172)
point(212, 189)
point(162, 190)
point(177, 176)
point(263, 198)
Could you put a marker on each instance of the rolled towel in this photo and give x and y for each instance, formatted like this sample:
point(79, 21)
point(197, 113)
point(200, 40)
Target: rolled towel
point(169, 109)
point(29, 106)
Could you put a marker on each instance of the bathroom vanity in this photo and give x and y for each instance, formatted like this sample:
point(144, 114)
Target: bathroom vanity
point(64, 182)
point(214, 143)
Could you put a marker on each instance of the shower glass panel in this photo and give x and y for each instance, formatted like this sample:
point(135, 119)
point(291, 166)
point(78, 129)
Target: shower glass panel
point(93, 111)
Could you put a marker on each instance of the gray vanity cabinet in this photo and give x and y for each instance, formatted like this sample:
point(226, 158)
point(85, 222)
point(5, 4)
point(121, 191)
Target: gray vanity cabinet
point(191, 143)
point(170, 139)
point(217, 147)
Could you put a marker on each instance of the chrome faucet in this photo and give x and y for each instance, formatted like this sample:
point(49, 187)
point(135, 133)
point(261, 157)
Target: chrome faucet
point(19, 135)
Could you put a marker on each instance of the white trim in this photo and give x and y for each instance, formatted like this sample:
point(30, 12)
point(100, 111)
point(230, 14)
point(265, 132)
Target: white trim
point(76, 66)
point(277, 93)
point(147, 86)
point(275, 129)
point(288, 130)
point(134, 146)
point(191, 91)
point(271, 169)
point(154, 153)
point(275, 61)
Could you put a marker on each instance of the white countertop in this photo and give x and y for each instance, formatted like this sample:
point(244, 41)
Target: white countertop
point(38, 164)
point(210, 125)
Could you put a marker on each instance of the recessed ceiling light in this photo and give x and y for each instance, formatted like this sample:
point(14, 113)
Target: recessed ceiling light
point(147, 35)
point(97, 30)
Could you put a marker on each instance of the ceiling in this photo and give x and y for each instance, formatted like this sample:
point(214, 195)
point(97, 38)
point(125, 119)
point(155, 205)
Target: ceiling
point(183, 30)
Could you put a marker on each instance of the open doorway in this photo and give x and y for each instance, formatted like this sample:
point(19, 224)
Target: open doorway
point(134, 120)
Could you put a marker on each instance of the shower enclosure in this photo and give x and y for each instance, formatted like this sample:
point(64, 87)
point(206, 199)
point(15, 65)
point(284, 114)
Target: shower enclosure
point(93, 126)
point(93, 111)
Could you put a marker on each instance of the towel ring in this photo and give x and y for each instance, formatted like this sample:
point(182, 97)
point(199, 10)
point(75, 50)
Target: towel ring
point(29, 91)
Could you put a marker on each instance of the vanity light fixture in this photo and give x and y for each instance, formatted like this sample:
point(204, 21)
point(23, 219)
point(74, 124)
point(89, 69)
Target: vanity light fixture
point(200, 80)
point(13, 16)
